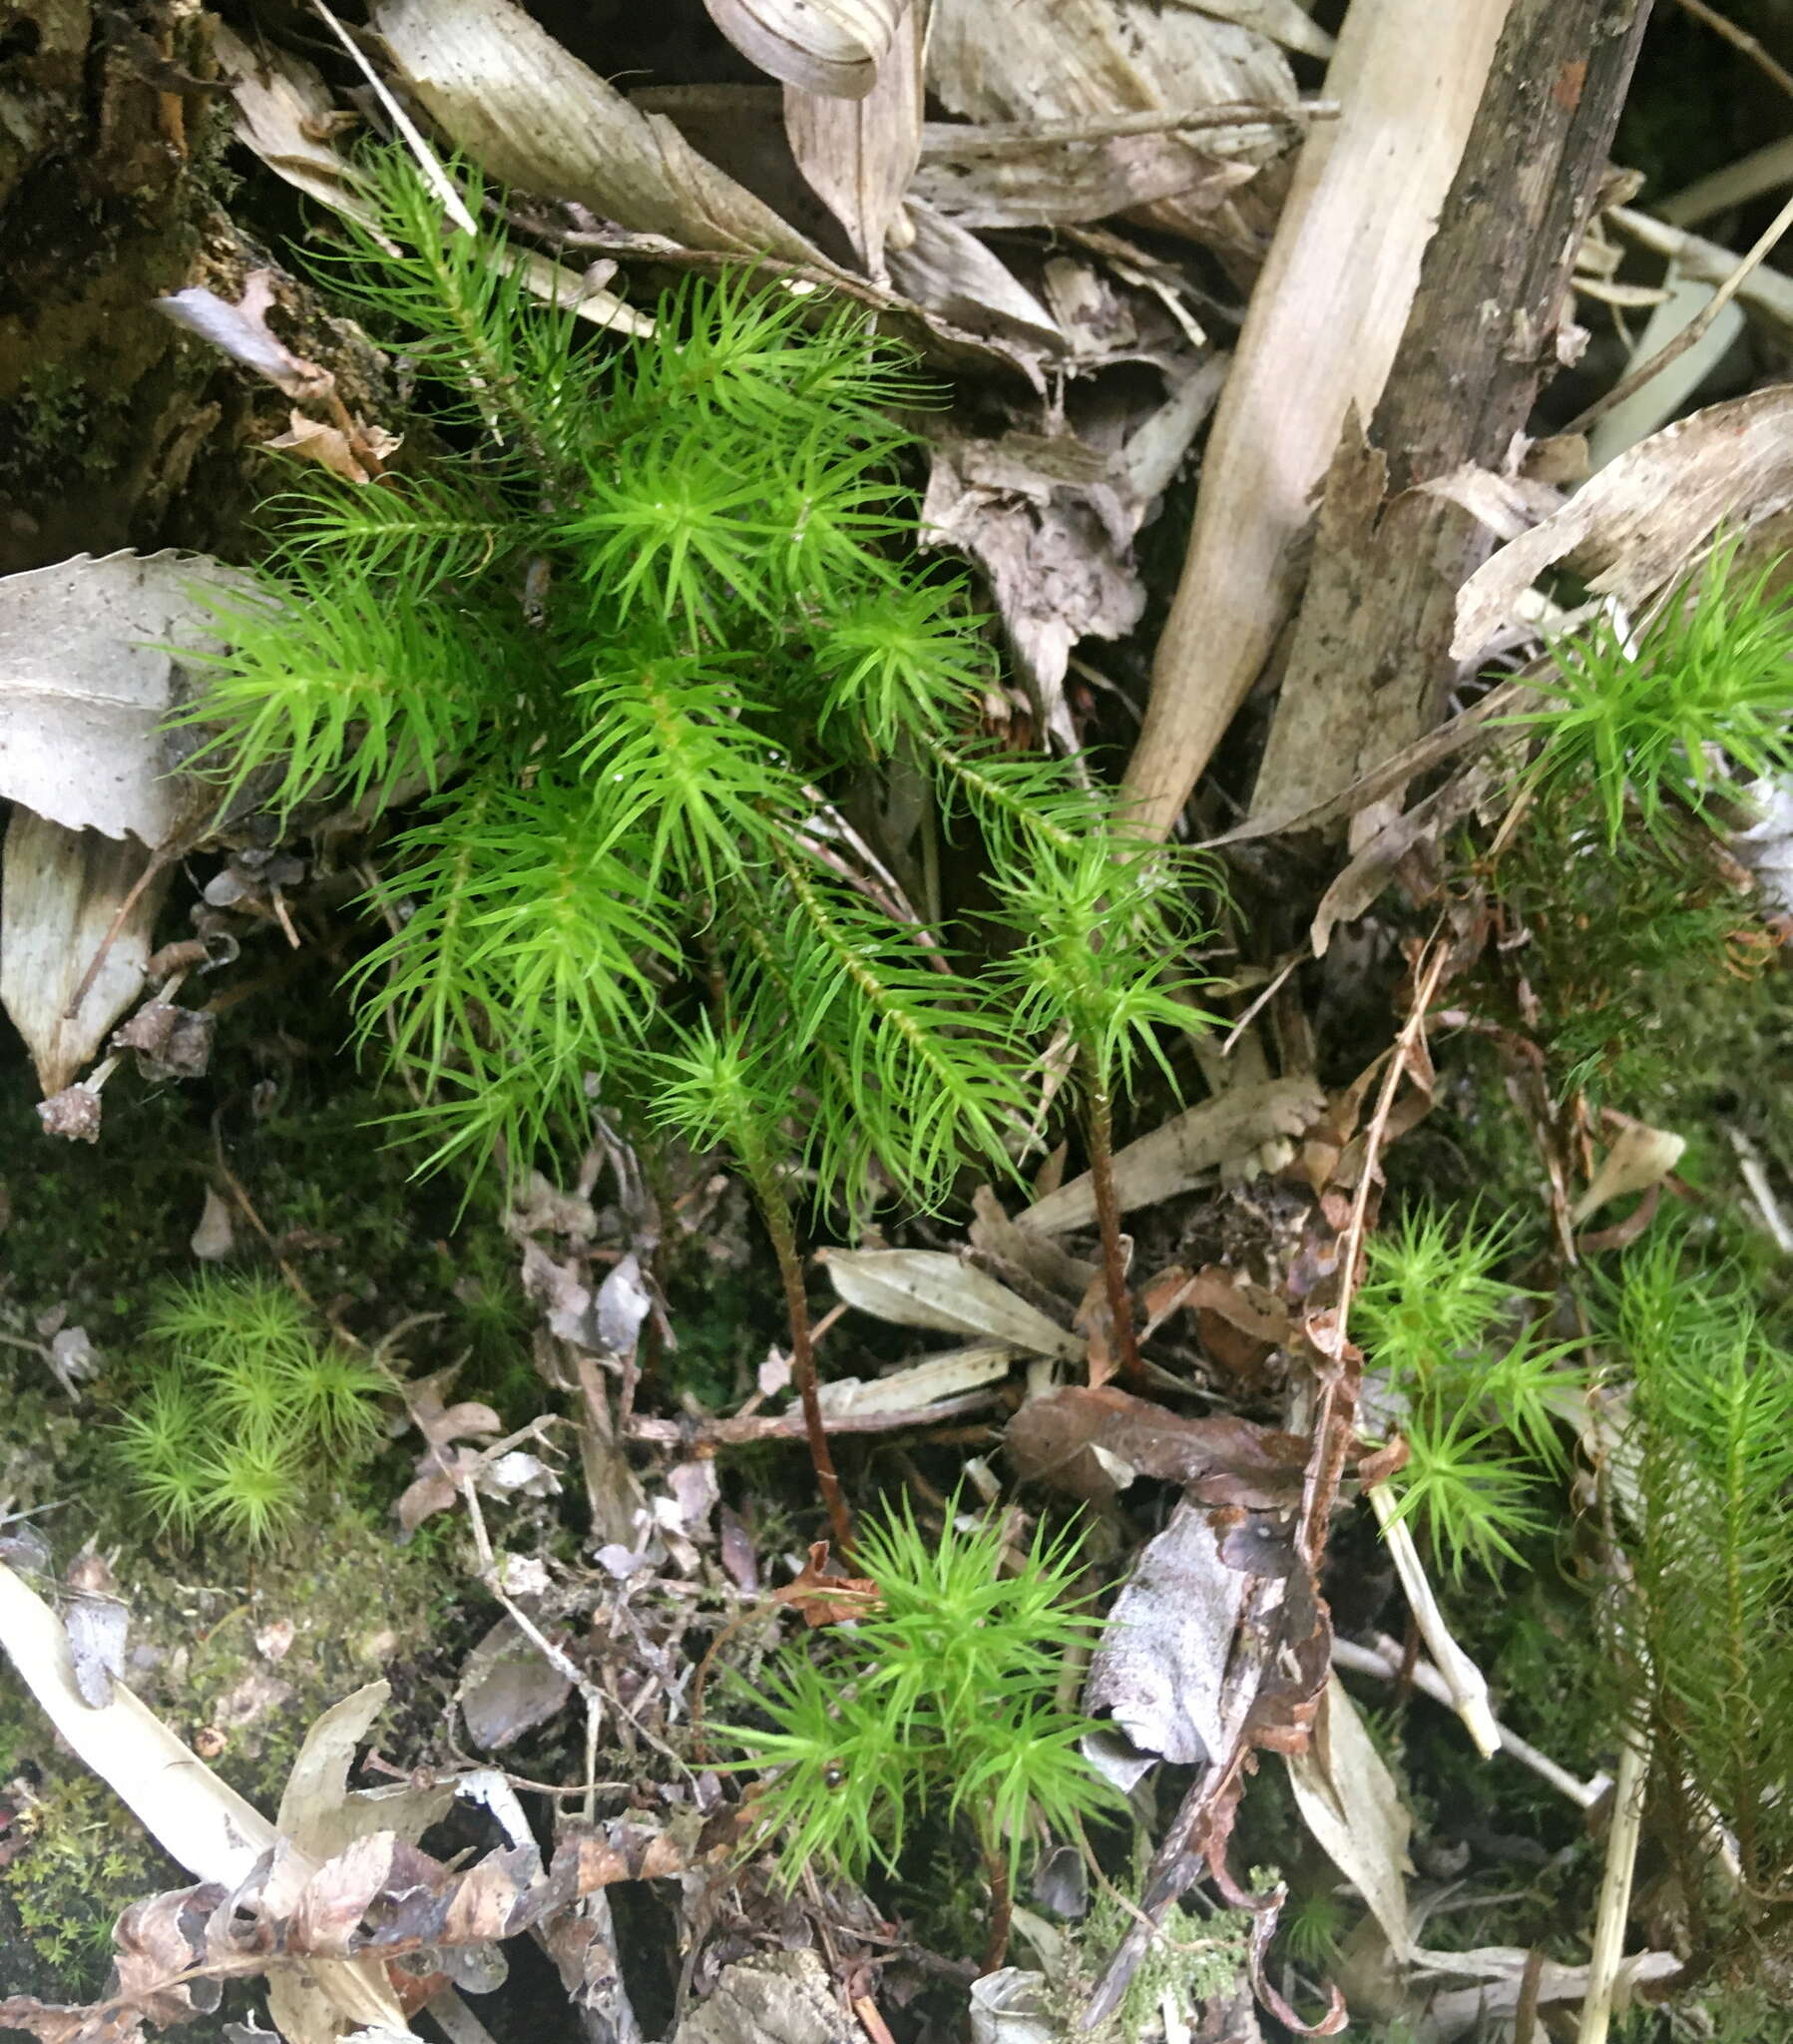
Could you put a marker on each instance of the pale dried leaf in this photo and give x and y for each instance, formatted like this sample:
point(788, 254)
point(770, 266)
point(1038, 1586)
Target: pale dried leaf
point(785, 1996)
point(1014, 2006)
point(284, 109)
point(1641, 1157)
point(833, 47)
point(86, 676)
point(1174, 1158)
point(1635, 526)
point(1027, 1249)
point(1349, 1802)
point(1766, 847)
point(1283, 21)
point(1050, 520)
point(61, 892)
point(240, 329)
point(193, 1814)
point(508, 1688)
point(920, 1384)
point(1036, 62)
point(317, 1791)
point(1325, 321)
point(1057, 182)
point(536, 118)
point(216, 1234)
point(623, 1303)
point(951, 273)
point(858, 154)
point(98, 1625)
point(928, 1288)
point(1161, 1669)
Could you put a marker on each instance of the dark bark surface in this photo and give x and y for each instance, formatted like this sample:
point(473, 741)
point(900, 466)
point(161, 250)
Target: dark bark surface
point(1370, 654)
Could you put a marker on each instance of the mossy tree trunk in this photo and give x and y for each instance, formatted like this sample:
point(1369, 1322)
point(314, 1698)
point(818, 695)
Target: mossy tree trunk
point(113, 430)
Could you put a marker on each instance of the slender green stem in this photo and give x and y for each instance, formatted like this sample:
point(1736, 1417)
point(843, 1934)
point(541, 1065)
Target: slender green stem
point(1108, 1213)
point(779, 1226)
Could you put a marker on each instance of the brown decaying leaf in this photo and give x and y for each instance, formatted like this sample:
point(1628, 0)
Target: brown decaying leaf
point(823, 1596)
point(1224, 1460)
point(441, 1466)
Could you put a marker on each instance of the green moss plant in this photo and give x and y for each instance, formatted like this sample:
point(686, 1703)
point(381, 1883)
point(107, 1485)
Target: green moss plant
point(941, 1701)
point(1698, 1624)
point(245, 1408)
point(1618, 899)
point(1653, 727)
point(1472, 1387)
point(633, 643)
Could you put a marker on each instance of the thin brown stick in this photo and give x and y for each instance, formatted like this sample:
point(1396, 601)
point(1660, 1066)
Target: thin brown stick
point(957, 140)
point(1693, 330)
point(1002, 1910)
point(1107, 1214)
point(1741, 39)
point(776, 1209)
point(744, 1428)
point(1321, 1486)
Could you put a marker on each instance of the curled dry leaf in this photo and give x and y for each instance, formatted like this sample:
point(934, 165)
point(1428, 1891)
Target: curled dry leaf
point(1638, 522)
point(442, 1465)
point(824, 46)
point(240, 331)
point(170, 1042)
point(536, 118)
point(823, 1596)
point(334, 449)
point(1051, 519)
point(1642, 1156)
point(61, 900)
point(949, 272)
point(1063, 1439)
point(858, 155)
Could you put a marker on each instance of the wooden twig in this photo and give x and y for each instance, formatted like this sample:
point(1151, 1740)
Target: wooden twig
point(1384, 1660)
point(1741, 39)
point(1696, 327)
point(1370, 659)
point(744, 1428)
